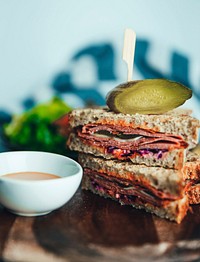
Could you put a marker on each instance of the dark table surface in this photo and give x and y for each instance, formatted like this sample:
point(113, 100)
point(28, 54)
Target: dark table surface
point(91, 228)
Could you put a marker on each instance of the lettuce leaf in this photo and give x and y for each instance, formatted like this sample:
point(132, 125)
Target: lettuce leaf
point(34, 129)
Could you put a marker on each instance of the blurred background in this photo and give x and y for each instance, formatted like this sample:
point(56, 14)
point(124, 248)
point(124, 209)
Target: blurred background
point(74, 48)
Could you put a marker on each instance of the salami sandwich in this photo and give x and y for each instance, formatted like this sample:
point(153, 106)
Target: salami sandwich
point(137, 159)
point(161, 191)
point(153, 140)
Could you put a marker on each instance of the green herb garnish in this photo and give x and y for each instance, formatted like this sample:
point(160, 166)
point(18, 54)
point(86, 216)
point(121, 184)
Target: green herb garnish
point(34, 129)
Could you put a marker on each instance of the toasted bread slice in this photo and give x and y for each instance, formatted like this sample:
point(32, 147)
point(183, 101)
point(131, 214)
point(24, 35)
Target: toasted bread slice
point(197, 149)
point(191, 169)
point(193, 194)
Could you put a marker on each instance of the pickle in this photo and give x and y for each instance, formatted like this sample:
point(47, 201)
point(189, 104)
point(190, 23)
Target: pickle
point(150, 96)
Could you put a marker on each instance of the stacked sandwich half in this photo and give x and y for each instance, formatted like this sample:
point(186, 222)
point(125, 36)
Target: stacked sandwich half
point(138, 160)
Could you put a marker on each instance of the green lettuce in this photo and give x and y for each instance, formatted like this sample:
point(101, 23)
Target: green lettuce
point(34, 129)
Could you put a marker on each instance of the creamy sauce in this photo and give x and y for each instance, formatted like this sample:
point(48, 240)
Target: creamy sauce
point(31, 176)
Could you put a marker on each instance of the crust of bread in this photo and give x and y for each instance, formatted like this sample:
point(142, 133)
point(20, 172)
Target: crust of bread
point(193, 194)
point(166, 180)
point(197, 149)
point(174, 159)
point(174, 211)
point(177, 122)
point(191, 169)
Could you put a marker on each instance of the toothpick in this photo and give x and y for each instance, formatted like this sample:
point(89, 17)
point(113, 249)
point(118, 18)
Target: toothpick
point(129, 50)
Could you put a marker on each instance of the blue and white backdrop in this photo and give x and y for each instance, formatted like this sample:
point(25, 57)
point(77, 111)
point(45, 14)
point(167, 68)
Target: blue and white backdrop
point(74, 48)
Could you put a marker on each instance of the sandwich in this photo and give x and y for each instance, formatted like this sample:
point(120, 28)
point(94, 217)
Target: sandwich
point(138, 153)
point(158, 190)
point(153, 140)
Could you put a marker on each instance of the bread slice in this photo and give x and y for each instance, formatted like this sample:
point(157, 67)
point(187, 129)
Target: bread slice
point(172, 159)
point(193, 194)
point(197, 149)
point(191, 169)
point(157, 190)
point(175, 122)
point(191, 173)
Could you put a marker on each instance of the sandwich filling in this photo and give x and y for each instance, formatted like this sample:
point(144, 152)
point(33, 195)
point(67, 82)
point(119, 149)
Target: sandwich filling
point(124, 191)
point(123, 142)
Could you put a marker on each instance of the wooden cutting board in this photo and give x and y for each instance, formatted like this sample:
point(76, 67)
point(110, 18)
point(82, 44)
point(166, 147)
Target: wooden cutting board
point(91, 228)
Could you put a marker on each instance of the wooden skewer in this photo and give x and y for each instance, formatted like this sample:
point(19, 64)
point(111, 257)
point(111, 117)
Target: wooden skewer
point(129, 50)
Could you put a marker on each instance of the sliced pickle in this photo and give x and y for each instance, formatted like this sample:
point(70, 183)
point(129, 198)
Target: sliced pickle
point(150, 96)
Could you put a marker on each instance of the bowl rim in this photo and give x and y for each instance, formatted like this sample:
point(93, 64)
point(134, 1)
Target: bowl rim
point(49, 181)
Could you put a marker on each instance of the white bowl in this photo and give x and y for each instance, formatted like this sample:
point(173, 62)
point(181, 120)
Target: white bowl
point(38, 197)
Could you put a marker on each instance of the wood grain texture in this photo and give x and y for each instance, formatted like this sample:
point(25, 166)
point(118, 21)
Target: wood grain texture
point(91, 228)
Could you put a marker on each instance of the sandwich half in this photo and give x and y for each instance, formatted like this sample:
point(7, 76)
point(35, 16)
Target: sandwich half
point(164, 192)
point(157, 190)
point(153, 140)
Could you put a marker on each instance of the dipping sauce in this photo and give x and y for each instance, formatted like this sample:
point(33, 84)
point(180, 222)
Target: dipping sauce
point(31, 176)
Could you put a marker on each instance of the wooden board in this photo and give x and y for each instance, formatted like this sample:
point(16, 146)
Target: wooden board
point(91, 228)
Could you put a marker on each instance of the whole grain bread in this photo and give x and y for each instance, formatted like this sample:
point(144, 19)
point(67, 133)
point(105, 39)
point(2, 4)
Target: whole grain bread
point(197, 149)
point(191, 169)
point(174, 210)
point(168, 181)
point(174, 159)
point(193, 194)
point(175, 122)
